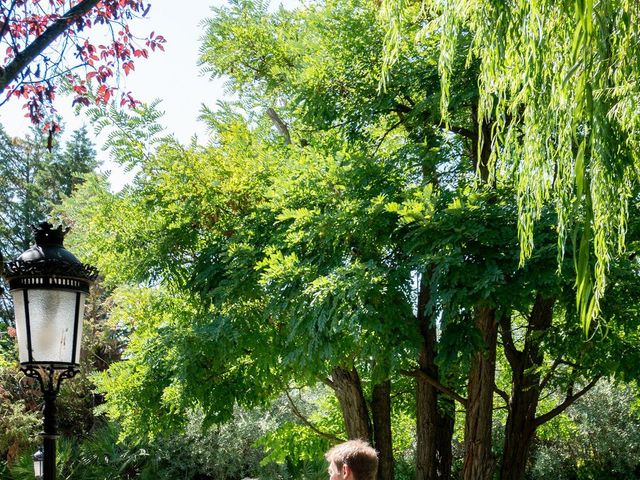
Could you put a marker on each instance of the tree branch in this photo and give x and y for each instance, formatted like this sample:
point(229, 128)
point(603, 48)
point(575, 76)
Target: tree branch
point(280, 125)
point(304, 420)
point(568, 363)
point(549, 374)
point(502, 394)
point(328, 382)
point(465, 132)
point(409, 100)
point(436, 384)
point(401, 108)
point(35, 48)
point(393, 127)
point(568, 401)
point(511, 352)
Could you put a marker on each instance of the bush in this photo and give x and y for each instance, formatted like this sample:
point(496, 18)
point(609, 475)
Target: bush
point(604, 441)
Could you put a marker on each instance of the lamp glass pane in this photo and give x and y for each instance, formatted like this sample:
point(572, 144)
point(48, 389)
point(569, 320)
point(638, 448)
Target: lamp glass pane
point(52, 318)
point(21, 327)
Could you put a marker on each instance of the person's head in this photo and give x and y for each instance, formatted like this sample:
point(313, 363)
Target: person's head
point(352, 460)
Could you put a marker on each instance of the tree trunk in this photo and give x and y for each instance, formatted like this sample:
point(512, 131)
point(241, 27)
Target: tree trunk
point(525, 388)
point(348, 389)
point(426, 395)
point(434, 428)
point(444, 450)
point(478, 459)
point(381, 412)
point(480, 153)
point(426, 426)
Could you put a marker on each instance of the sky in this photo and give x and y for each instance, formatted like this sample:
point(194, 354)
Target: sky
point(173, 76)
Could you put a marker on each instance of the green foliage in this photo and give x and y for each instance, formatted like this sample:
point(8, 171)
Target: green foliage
point(224, 452)
point(22, 468)
point(34, 178)
point(18, 428)
point(19, 416)
point(295, 444)
point(95, 457)
point(257, 264)
point(237, 246)
point(598, 438)
point(558, 71)
point(230, 451)
point(131, 134)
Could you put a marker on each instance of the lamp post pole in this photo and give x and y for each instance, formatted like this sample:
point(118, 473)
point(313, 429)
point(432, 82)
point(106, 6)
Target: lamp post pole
point(49, 435)
point(49, 286)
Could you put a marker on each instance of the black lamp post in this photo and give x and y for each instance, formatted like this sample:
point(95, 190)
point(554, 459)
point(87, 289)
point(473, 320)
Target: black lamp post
point(49, 286)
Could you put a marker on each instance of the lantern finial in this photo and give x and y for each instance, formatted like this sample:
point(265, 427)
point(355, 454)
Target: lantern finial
point(46, 235)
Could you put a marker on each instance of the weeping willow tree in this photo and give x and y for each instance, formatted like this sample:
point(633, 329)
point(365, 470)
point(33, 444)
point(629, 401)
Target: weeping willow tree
point(559, 86)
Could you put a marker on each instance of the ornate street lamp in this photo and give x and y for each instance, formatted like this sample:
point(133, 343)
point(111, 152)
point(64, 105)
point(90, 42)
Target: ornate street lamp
point(37, 464)
point(49, 286)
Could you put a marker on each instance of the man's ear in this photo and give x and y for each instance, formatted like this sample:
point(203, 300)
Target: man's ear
point(347, 473)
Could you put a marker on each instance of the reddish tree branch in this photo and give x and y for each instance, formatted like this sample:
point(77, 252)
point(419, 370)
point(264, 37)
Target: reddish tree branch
point(35, 48)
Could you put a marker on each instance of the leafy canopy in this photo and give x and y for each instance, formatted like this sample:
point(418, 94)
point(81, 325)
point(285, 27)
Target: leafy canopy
point(558, 86)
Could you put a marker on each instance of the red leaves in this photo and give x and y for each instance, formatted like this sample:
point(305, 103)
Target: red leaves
point(36, 95)
point(141, 53)
point(80, 89)
point(37, 24)
point(53, 127)
point(87, 53)
point(128, 67)
point(155, 41)
point(104, 73)
point(101, 62)
point(128, 100)
point(81, 92)
point(104, 93)
point(81, 101)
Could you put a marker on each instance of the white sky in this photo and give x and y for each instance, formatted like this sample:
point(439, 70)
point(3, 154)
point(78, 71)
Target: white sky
point(172, 75)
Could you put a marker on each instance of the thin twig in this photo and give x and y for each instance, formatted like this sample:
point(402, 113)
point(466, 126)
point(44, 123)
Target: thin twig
point(549, 374)
point(304, 420)
point(393, 127)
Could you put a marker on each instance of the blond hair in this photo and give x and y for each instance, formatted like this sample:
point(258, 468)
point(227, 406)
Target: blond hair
point(358, 455)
